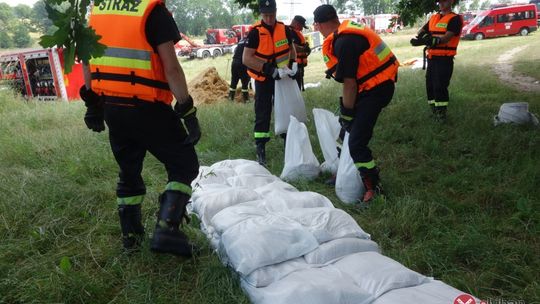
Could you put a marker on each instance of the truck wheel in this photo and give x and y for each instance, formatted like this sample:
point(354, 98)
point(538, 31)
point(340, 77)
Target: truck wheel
point(216, 53)
point(205, 54)
point(478, 36)
point(524, 31)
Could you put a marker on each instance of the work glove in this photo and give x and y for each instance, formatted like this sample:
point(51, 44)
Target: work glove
point(270, 70)
point(346, 116)
point(293, 66)
point(188, 113)
point(94, 116)
point(307, 49)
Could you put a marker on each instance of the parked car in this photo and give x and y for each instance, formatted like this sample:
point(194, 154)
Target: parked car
point(502, 21)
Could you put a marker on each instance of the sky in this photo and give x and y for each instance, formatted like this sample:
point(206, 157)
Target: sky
point(17, 2)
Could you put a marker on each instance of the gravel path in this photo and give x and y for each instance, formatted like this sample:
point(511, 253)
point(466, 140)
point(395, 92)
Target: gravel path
point(505, 70)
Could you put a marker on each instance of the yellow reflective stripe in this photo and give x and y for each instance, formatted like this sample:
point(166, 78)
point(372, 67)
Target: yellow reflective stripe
point(122, 62)
point(120, 7)
point(431, 102)
point(177, 186)
point(232, 90)
point(368, 165)
point(441, 25)
point(281, 42)
point(262, 134)
point(355, 25)
point(440, 103)
point(130, 200)
point(244, 91)
point(382, 51)
point(282, 61)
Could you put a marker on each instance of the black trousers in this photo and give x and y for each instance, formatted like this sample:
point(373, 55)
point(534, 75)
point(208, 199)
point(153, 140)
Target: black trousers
point(368, 107)
point(438, 74)
point(300, 77)
point(264, 94)
point(136, 127)
point(239, 73)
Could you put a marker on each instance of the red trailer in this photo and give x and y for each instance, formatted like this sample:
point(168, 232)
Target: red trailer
point(39, 73)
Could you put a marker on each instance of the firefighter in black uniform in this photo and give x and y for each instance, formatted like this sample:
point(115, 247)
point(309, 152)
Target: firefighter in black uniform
point(441, 38)
point(268, 47)
point(239, 72)
point(131, 88)
point(301, 47)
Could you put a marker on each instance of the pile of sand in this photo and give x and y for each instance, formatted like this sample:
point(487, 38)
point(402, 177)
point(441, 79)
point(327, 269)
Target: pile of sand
point(208, 87)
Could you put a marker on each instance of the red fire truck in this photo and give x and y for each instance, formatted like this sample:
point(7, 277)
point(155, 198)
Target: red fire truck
point(39, 73)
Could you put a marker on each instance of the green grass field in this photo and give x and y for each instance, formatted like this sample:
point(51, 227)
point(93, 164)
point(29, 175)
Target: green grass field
point(463, 197)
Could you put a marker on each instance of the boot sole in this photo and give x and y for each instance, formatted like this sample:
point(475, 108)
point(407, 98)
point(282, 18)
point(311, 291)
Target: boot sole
point(172, 245)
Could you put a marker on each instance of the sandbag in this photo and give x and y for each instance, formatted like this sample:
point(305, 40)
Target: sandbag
point(349, 186)
point(251, 181)
point(274, 186)
point(281, 200)
point(328, 129)
point(432, 292)
point(267, 275)
point(326, 285)
point(251, 168)
point(288, 101)
point(515, 112)
point(378, 274)
point(326, 224)
point(300, 162)
point(267, 240)
point(209, 175)
point(233, 215)
point(335, 249)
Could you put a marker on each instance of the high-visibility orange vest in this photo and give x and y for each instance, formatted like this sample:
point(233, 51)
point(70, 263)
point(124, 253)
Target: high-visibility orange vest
point(301, 55)
point(437, 27)
point(376, 65)
point(129, 67)
point(272, 48)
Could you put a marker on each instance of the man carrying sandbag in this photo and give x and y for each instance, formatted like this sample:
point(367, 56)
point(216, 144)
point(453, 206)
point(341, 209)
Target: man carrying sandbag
point(357, 57)
point(268, 48)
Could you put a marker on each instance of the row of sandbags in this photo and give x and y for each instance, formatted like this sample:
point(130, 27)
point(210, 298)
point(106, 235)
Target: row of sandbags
point(291, 246)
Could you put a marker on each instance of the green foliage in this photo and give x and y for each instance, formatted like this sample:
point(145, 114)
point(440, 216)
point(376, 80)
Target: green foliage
point(6, 41)
point(372, 7)
point(72, 34)
point(411, 10)
point(21, 37)
point(40, 19)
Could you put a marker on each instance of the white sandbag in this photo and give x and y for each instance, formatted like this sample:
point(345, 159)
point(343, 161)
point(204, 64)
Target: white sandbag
point(273, 186)
point(300, 162)
point(326, 224)
point(326, 285)
point(210, 204)
point(205, 190)
point(267, 240)
point(349, 186)
point(432, 292)
point(251, 181)
point(288, 101)
point(251, 168)
point(515, 112)
point(378, 274)
point(213, 176)
point(233, 215)
point(232, 163)
point(335, 249)
point(280, 200)
point(267, 275)
point(328, 128)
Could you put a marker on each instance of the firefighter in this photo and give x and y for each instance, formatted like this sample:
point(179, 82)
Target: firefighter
point(268, 48)
point(441, 38)
point(301, 47)
point(357, 57)
point(131, 88)
point(239, 72)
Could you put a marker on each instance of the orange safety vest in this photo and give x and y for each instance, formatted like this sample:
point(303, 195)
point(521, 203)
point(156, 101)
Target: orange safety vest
point(130, 67)
point(437, 27)
point(301, 56)
point(272, 48)
point(376, 65)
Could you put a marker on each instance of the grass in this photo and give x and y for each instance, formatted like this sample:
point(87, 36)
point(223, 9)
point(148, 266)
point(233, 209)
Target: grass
point(462, 204)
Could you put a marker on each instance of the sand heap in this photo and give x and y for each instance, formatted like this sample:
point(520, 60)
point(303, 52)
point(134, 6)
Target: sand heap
point(208, 87)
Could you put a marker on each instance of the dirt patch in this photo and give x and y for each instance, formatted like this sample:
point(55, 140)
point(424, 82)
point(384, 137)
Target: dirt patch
point(505, 71)
point(208, 87)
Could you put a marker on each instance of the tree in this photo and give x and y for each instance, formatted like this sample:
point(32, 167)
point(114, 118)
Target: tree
point(40, 20)
point(22, 11)
point(21, 37)
point(410, 10)
point(5, 40)
point(372, 7)
point(6, 13)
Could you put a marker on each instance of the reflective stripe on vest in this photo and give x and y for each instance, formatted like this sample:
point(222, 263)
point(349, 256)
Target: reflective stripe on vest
point(437, 26)
point(272, 48)
point(129, 67)
point(301, 56)
point(376, 65)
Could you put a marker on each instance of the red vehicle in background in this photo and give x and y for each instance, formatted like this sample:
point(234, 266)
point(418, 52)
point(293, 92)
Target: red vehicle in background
point(502, 21)
point(468, 17)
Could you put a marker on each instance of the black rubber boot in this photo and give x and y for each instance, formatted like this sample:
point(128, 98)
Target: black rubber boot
point(371, 181)
point(440, 114)
point(284, 136)
point(261, 154)
point(245, 96)
point(231, 94)
point(168, 238)
point(132, 228)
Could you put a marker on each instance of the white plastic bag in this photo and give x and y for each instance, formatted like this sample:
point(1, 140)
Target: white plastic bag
point(349, 186)
point(335, 249)
point(328, 128)
point(267, 275)
point(300, 162)
point(515, 112)
point(288, 101)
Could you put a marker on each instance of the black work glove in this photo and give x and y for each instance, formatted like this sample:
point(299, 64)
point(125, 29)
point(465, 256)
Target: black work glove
point(416, 41)
point(346, 116)
point(94, 116)
point(188, 113)
point(431, 41)
point(292, 62)
point(270, 70)
point(307, 49)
